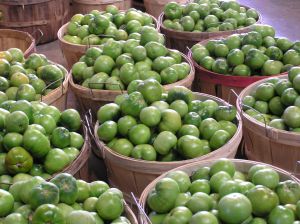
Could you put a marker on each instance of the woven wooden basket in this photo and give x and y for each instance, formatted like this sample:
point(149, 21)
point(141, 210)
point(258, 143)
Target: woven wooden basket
point(182, 41)
point(132, 175)
point(73, 52)
point(93, 99)
point(241, 165)
point(17, 39)
point(220, 85)
point(266, 144)
point(31, 15)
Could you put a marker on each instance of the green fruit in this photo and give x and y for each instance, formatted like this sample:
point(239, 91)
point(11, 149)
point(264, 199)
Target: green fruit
point(18, 160)
point(265, 92)
point(263, 200)
point(109, 206)
point(164, 142)
point(190, 146)
point(163, 198)
point(255, 59)
point(48, 213)
point(150, 116)
point(284, 44)
point(266, 177)
point(108, 112)
point(67, 188)
point(70, 119)
point(218, 139)
point(80, 217)
point(151, 90)
point(97, 188)
point(179, 214)
point(235, 57)
point(26, 186)
point(104, 64)
point(44, 193)
point(16, 121)
point(15, 218)
point(234, 208)
point(253, 38)
point(139, 134)
point(56, 160)
point(180, 93)
point(170, 121)
point(122, 146)
point(220, 66)
point(155, 50)
point(145, 152)
point(133, 104)
point(200, 202)
point(6, 202)
point(36, 143)
point(107, 131)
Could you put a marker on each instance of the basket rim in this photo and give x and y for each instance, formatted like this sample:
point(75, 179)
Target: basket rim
point(190, 76)
point(273, 132)
point(161, 26)
point(235, 137)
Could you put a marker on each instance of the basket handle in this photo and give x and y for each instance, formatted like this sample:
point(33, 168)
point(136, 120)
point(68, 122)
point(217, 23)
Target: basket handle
point(41, 35)
point(89, 121)
point(62, 87)
point(296, 171)
point(141, 210)
point(232, 92)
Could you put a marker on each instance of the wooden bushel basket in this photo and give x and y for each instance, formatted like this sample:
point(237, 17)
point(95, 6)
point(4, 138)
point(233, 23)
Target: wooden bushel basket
point(85, 6)
point(132, 175)
point(17, 39)
point(241, 165)
point(31, 15)
point(266, 144)
point(93, 99)
point(73, 52)
point(220, 85)
point(183, 40)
